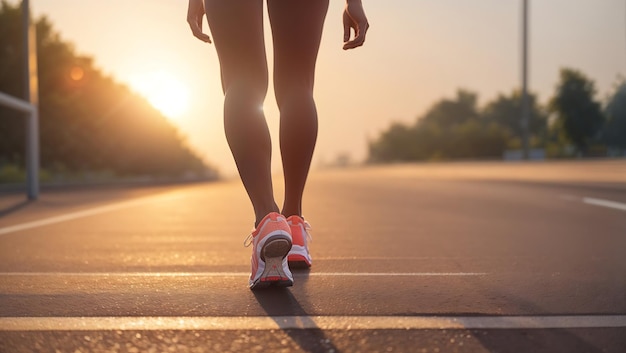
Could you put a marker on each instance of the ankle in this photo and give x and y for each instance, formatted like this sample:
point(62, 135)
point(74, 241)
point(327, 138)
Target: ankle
point(260, 215)
point(288, 212)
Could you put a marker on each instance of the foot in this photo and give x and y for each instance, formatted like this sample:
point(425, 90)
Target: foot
point(271, 242)
point(299, 256)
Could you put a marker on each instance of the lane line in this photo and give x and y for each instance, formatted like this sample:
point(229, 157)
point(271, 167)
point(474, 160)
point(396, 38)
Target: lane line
point(394, 274)
point(214, 323)
point(80, 214)
point(385, 258)
point(235, 274)
point(605, 203)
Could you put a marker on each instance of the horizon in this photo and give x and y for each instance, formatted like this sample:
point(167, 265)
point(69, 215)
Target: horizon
point(408, 78)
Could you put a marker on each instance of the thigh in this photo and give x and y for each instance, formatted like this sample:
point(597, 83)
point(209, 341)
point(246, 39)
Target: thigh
point(237, 32)
point(297, 31)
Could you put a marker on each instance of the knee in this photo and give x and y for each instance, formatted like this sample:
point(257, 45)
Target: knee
point(295, 93)
point(245, 92)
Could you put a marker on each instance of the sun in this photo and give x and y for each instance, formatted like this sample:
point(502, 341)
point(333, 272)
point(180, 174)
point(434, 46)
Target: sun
point(164, 91)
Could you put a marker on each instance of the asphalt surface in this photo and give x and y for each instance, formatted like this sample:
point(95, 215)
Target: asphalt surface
point(525, 245)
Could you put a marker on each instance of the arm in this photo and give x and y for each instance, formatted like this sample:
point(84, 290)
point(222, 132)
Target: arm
point(354, 19)
point(195, 13)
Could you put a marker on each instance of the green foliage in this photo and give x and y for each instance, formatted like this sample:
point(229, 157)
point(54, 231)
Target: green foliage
point(12, 125)
point(579, 117)
point(505, 111)
point(88, 122)
point(615, 129)
point(451, 129)
point(457, 128)
point(11, 174)
point(451, 112)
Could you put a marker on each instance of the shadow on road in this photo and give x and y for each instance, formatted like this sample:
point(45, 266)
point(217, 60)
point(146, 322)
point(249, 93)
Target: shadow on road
point(14, 207)
point(281, 302)
point(550, 340)
point(546, 340)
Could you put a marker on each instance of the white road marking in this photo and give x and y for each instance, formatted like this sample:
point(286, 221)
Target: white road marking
point(595, 202)
point(308, 322)
point(79, 214)
point(235, 274)
point(393, 274)
point(384, 258)
point(605, 203)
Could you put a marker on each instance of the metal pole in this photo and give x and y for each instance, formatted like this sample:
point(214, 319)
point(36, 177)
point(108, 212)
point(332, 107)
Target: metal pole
point(26, 47)
point(525, 118)
point(31, 95)
point(32, 166)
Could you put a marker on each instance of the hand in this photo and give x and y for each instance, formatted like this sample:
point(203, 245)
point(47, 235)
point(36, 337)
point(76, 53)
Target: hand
point(354, 19)
point(195, 13)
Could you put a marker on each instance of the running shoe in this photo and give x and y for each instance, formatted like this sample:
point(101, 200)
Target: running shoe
point(299, 256)
point(271, 242)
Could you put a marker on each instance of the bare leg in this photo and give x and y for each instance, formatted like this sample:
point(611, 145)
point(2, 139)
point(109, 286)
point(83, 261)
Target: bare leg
point(297, 31)
point(237, 29)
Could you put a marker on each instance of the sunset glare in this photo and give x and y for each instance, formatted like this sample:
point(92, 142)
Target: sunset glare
point(164, 91)
point(417, 53)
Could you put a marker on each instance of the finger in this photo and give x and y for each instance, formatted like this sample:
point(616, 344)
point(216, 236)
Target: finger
point(203, 37)
point(355, 43)
point(346, 27)
point(200, 35)
point(197, 32)
point(346, 32)
point(359, 38)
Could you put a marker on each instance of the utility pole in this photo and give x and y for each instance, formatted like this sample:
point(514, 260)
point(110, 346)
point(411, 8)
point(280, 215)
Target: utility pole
point(525, 114)
point(31, 95)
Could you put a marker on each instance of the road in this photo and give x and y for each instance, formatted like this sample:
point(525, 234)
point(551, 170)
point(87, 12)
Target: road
point(465, 257)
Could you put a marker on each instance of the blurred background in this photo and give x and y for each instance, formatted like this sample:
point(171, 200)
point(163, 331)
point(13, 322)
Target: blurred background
point(127, 92)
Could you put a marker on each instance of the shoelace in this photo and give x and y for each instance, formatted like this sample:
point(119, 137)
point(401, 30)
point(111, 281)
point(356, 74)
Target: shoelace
point(248, 241)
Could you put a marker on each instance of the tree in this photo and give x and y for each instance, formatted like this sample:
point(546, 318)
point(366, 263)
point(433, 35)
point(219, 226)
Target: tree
point(88, 121)
point(505, 111)
point(451, 129)
point(615, 128)
point(579, 117)
point(395, 144)
point(12, 144)
point(448, 112)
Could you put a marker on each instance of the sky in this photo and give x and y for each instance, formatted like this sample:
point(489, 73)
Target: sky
point(416, 53)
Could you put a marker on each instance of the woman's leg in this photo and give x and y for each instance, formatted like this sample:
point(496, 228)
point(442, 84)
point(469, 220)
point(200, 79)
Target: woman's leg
point(237, 30)
point(297, 31)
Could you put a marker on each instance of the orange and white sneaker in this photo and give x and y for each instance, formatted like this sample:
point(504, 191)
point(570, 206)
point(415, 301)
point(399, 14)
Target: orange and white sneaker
point(271, 242)
point(299, 256)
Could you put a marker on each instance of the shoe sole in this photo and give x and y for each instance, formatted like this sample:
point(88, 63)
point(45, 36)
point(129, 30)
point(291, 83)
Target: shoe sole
point(298, 262)
point(273, 253)
point(299, 257)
